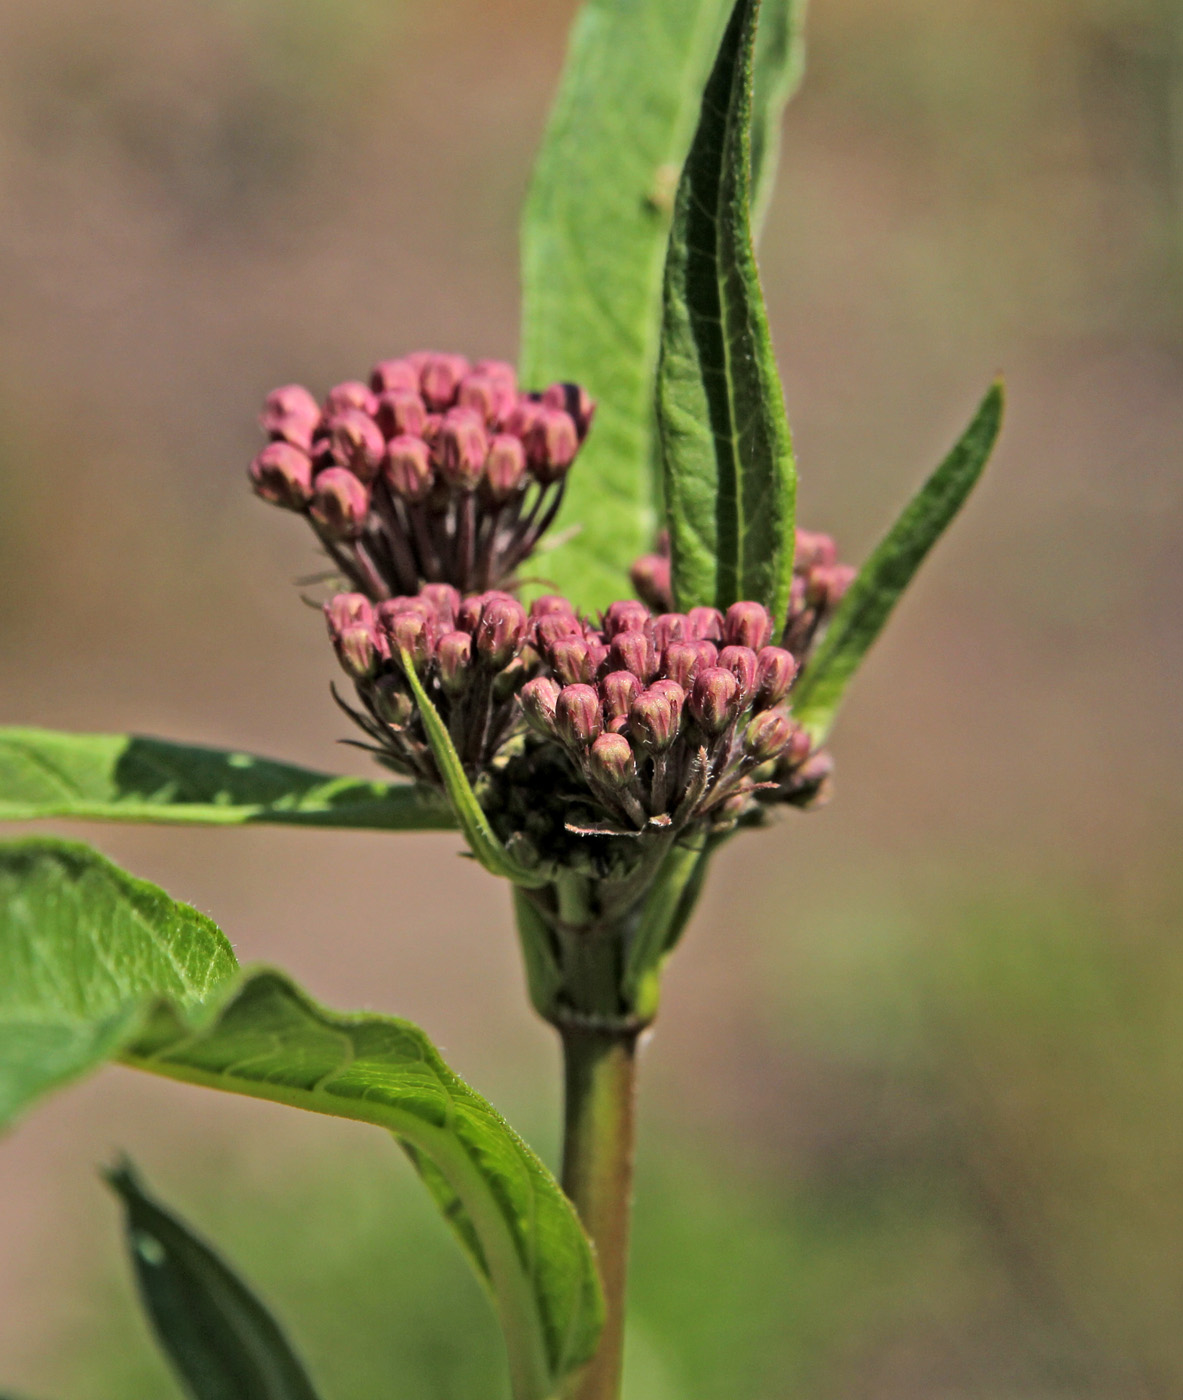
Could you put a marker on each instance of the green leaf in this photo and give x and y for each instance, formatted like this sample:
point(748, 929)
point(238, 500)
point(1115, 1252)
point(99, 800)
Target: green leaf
point(883, 578)
point(124, 777)
point(221, 1340)
point(727, 456)
point(96, 965)
point(593, 242)
point(777, 70)
point(480, 835)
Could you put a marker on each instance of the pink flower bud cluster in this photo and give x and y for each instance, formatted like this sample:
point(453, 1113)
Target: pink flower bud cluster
point(819, 583)
point(436, 470)
point(674, 718)
point(468, 654)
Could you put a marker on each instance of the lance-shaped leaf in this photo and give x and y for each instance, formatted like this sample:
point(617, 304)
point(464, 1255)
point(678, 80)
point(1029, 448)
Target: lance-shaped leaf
point(485, 844)
point(221, 1340)
point(883, 578)
point(96, 965)
point(727, 457)
point(777, 69)
point(593, 242)
point(125, 777)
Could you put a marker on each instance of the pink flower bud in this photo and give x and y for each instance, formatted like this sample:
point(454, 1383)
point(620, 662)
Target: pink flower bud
point(499, 634)
point(551, 443)
point(501, 372)
point(454, 656)
point(575, 401)
point(392, 704)
point(767, 735)
point(505, 467)
point(596, 650)
point(625, 616)
point(549, 628)
point(714, 699)
point(619, 689)
point(539, 698)
point(654, 718)
point(776, 670)
point(351, 394)
point(672, 691)
point(611, 761)
point(344, 609)
point(747, 625)
point(439, 378)
point(668, 627)
point(359, 649)
point(444, 601)
point(827, 584)
point(571, 661)
point(551, 605)
point(356, 442)
point(681, 661)
point(408, 469)
point(461, 448)
point(522, 416)
point(704, 625)
point(400, 375)
point(741, 662)
point(577, 715)
point(399, 412)
point(812, 549)
point(339, 504)
point(493, 399)
point(633, 651)
point(292, 414)
point(412, 630)
point(282, 475)
point(650, 576)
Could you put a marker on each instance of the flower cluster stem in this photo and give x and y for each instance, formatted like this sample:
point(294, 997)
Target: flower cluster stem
point(600, 1068)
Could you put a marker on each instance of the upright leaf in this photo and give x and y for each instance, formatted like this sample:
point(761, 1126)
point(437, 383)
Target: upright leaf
point(777, 69)
point(126, 777)
point(727, 457)
point(96, 965)
point(593, 241)
point(883, 578)
point(221, 1340)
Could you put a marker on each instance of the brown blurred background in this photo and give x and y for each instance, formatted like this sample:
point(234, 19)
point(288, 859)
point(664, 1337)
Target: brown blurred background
point(913, 1111)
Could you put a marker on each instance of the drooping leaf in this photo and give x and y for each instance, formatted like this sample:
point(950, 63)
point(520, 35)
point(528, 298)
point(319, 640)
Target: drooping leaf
point(777, 69)
point(882, 579)
point(727, 457)
point(593, 242)
point(125, 777)
point(96, 965)
point(221, 1340)
point(485, 844)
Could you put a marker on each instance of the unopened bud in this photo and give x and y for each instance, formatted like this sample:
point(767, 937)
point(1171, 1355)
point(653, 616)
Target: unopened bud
point(570, 660)
point(539, 698)
point(407, 468)
point(625, 616)
point(392, 704)
point(741, 662)
point(345, 609)
point(551, 444)
point(282, 475)
point(680, 661)
point(575, 401)
point(454, 655)
point(704, 625)
point(550, 627)
point(650, 576)
point(776, 669)
point(654, 718)
point(633, 651)
point(292, 414)
point(358, 649)
point(501, 372)
point(505, 467)
point(444, 601)
point(439, 378)
point(551, 605)
point(813, 548)
point(800, 748)
point(492, 399)
point(339, 504)
point(666, 628)
point(401, 411)
point(460, 449)
point(412, 630)
point(522, 415)
point(351, 394)
point(577, 715)
point(767, 734)
point(611, 761)
point(827, 585)
point(499, 634)
point(619, 689)
point(394, 375)
point(356, 442)
point(747, 625)
point(714, 699)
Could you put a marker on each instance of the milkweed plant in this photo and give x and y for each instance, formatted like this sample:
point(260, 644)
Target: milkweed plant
point(594, 739)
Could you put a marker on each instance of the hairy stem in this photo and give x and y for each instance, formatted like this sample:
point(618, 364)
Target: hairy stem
point(599, 1126)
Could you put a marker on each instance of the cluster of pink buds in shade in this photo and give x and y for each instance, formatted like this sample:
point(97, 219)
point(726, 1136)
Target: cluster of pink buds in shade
point(819, 582)
point(435, 471)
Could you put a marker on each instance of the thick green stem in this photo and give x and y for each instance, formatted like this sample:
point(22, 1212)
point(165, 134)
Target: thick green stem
point(599, 1128)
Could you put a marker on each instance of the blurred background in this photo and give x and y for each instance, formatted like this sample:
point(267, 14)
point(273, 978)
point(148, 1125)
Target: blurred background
point(913, 1117)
